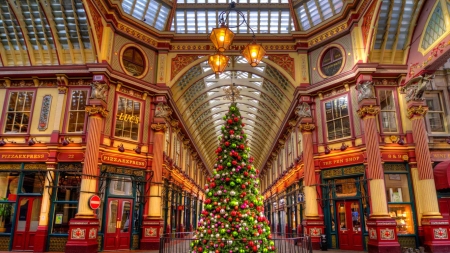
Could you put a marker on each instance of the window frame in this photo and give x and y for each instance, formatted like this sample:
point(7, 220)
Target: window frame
point(141, 122)
point(331, 50)
point(324, 118)
point(440, 95)
point(5, 110)
point(395, 110)
point(67, 114)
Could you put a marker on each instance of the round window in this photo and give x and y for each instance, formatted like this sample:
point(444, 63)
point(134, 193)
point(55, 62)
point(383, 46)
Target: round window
point(133, 61)
point(331, 61)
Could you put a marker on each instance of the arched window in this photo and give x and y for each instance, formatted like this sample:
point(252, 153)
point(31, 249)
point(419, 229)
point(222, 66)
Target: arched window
point(133, 60)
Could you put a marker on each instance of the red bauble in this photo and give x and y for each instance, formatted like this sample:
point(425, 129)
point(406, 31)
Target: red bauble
point(200, 249)
point(231, 131)
point(255, 248)
point(251, 244)
point(246, 173)
point(209, 231)
point(230, 121)
point(234, 162)
point(222, 245)
point(227, 143)
point(243, 124)
point(236, 119)
point(249, 166)
point(230, 219)
point(243, 186)
point(233, 213)
point(213, 185)
point(227, 179)
point(241, 146)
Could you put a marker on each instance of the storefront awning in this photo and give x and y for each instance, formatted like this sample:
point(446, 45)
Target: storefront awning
point(442, 175)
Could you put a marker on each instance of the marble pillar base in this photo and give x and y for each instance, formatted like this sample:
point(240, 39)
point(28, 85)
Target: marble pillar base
point(436, 235)
point(40, 239)
point(314, 228)
point(152, 229)
point(383, 236)
point(82, 235)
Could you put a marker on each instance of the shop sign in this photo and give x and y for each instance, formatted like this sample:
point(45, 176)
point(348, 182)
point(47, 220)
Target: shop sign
point(94, 202)
point(341, 160)
point(128, 118)
point(70, 157)
point(394, 157)
point(24, 157)
point(439, 156)
point(122, 161)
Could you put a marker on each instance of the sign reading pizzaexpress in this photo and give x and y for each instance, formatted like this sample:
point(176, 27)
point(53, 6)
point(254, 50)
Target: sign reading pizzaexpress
point(24, 157)
point(123, 161)
point(341, 160)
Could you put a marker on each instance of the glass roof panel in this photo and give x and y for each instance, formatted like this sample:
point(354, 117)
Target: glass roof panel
point(153, 12)
point(313, 12)
point(10, 34)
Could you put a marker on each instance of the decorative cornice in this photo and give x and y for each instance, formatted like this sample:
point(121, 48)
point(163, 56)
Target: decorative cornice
point(369, 110)
point(96, 110)
point(307, 127)
point(159, 127)
point(416, 111)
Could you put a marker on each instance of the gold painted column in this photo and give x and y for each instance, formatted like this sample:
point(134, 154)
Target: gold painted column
point(382, 228)
point(153, 221)
point(84, 227)
point(313, 223)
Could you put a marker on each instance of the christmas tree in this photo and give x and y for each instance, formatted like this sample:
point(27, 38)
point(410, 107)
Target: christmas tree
point(233, 218)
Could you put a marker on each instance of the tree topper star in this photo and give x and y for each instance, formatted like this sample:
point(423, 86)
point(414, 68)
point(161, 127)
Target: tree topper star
point(232, 93)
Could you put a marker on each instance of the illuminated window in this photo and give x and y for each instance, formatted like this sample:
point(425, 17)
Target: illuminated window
point(77, 113)
point(133, 61)
point(128, 118)
point(388, 113)
point(19, 110)
point(435, 114)
point(337, 118)
point(332, 61)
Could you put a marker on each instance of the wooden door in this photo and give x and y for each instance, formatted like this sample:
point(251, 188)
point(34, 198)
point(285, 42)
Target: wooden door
point(26, 223)
point(118, 226)
point(349, 225)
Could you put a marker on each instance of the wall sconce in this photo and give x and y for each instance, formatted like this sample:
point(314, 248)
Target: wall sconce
point(327, 150)
point(121, 148)
point(32, 141)
point(3, 142)
point(66, 141)
point(344, 146)
point(137, 149)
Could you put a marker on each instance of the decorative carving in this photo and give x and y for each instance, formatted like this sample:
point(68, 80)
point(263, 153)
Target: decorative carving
point(35, 166)
point(394, 167)
point(62, 89)
point(78, 233)
point(365, 90)
point(385, 82)
point(440, 233)
point(98, 24)
point(23, 83)
point(367, 22)
point(181, 61)
point(387, 234)
point(370, 110)
point(45, 113)
point(92, 233)
point(328, 34)
point(416, 87)
point(137, 34)
point(307, 127)
point(285, 62)
point(133, 93)
point(315, 232)
point(13, 166)
point(416, 111)
point(174, 123)
point(303, 110)
point(372, 234)
point(333, 92)
point(159, 127)
point(162, 110)
point(99, 90)
point(80, 82)
point(332, 173)
point(94, 110)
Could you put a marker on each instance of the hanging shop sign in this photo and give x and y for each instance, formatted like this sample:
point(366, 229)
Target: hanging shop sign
point(70, 157)
point(124, 161)
point(439, 156)
point(341, 160)
point(23, 157)
point(394, 156)
point(94, 202)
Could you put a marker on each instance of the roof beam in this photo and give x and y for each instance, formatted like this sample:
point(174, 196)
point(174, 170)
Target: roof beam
point(386, 32)
point(399, 25)
point(21, 21)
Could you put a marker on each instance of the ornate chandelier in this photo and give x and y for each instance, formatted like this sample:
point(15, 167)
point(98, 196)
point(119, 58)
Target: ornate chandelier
point(222, 38)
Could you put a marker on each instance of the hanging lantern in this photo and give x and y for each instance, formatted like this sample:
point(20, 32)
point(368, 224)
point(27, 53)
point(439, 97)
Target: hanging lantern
point(218, 62)
point(253, 53)
point(222, 38)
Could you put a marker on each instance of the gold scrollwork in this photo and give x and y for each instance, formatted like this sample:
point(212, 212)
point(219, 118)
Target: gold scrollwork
point(368, 111)
point(332, 173)
point(159, 127)
point(416, 111)
point(93, 110)
point(37, 166)
point(14, 166)
point(307, 127)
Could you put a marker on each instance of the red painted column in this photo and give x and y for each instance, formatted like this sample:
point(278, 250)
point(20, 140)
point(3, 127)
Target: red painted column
point(152, 227)
point(313, 223)
point(435, 228)
point(84, 227)
point(382, 228)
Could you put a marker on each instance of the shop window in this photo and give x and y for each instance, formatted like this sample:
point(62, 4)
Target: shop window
point(346, 187)
point(399, 202)
point(331, 61)
point(77, 113)
point(133, 61)
point(127, 118)
point(63, 213)
point(33, 182)
point(435, 115)
point(121, 185)
point(8, 194)
point(387, 111)
point(337, 118)
point(19, 111)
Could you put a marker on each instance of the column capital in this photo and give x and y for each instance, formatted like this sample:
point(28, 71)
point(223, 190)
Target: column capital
point(158, 127)
point(307, 127)
point(95, 110)
point(416, 111)
point(368, 110)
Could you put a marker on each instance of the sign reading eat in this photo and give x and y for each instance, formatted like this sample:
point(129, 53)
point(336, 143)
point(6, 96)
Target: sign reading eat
point(94, 202)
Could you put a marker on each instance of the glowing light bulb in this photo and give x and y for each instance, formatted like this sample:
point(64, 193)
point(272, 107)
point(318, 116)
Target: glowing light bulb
point(218, 62)
point(222, 38)
point(254, 54)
